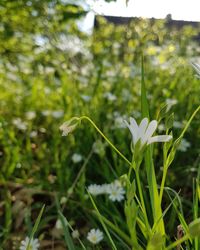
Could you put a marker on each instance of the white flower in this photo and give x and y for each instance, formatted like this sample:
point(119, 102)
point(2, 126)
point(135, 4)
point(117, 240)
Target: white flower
point(86, 98)
point(34, 244)
point(63, 200)
point(177, 124)
point(19, 124)
point(59, 224)
point(184, 145)
point(75, 234)
point(116, 191)
point(46, 112)
point(30, 115)
point(57, 113)
point(99, 148)
point(170, 103)
point(69, 126)
point(95, 236)
point(161, 127)
point(144, 132)
point(96, 189)
point(33, 134)
point(110, 97)
point(76, 158)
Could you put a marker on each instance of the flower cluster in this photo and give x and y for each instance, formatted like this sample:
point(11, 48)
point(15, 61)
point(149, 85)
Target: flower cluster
point(114, 190)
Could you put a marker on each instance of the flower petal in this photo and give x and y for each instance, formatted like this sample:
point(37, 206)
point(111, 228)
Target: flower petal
point(149, 132)
point(133, 127)
point(143, 127)
point(159, 138)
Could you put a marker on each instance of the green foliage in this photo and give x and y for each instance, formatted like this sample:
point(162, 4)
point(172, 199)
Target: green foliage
point(50, 71)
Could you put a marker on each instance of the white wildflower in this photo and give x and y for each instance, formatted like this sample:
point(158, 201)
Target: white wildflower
point(33, 134)
point(46, 112)
point(19, 124)
point(96, 189)
point(177, 124)
point(143, 133)
point(110, 97)
point(57, 113)
point(161, 127)
point(95, 236)
point(86, 98)
point(63, 200)
point(99, 148)
point(170, 103)
point(18, 165)
point(76, 158)
point(34, 244)
point(184, 145)
point(69, 126)
point(59, 224)
point(75, 234)
point(30, 115)
point(116, 191)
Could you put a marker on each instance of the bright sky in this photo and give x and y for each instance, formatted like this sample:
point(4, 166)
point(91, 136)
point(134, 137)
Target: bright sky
point(180, 9)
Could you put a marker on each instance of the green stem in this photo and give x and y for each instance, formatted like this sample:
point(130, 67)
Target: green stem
point(163, 182)
point(108, 141)
point(142, 199)
point(178, 242)
point(116, 229)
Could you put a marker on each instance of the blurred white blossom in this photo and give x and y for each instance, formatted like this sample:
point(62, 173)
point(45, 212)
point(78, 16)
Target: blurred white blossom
point(184, 145)
point(95, 236)
point(33, 134)
point(76, 158)
point(63, 200)
point(21, 125)
point(86, 98)
point(75, 234)
point(170, 103)
point(30, 115)
point(57, 113)
point(177, 124)
point(58, 224)
point(34, 244)
point(110, 97)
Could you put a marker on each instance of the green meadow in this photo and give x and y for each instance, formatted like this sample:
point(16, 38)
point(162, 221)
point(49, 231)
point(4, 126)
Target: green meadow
point(76, 171)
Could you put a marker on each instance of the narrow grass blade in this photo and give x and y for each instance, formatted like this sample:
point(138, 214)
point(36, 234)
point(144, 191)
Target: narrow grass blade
point(151, 177)
point(120, 233)
point(35, 226)
point(102, 222)
point(68, 239)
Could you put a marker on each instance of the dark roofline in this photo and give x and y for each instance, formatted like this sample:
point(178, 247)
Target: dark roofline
point(126, 20)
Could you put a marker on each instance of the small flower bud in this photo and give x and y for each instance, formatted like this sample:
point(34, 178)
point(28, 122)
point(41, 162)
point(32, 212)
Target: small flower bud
point(69, 126)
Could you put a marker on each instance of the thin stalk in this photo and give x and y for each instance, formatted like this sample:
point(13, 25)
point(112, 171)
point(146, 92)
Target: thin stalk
point(162, 186)
point(178, 242)
point(108, 141)
point(142, 199)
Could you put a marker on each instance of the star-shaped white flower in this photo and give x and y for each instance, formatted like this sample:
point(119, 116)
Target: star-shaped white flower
point(95, 236)
point(144, 132)
point(34, 244)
